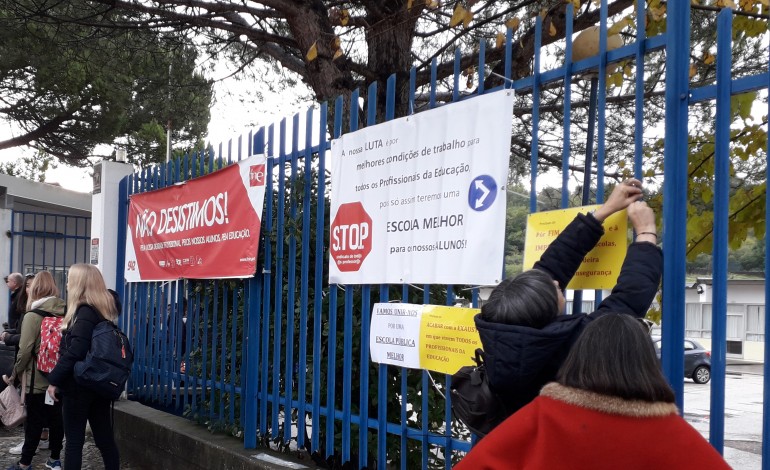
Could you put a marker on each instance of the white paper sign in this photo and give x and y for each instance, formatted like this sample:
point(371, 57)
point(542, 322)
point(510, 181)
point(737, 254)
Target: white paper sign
point(421, 199)
point(395, 331)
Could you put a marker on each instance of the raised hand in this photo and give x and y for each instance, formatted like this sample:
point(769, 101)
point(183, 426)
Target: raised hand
point(622, 196)
point(642, 218)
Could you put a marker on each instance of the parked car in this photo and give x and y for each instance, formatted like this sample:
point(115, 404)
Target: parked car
point(697, 360)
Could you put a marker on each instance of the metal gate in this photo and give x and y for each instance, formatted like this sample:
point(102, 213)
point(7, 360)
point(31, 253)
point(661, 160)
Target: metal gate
point(48, 242)
point(278, 359)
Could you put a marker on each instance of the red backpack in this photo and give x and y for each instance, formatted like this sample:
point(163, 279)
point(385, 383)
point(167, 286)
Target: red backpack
point(50, 337)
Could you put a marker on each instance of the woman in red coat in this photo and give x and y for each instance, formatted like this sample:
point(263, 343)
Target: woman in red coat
point(610, 408)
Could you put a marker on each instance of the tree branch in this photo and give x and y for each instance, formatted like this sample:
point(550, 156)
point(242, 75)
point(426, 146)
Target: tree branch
point(42, 131)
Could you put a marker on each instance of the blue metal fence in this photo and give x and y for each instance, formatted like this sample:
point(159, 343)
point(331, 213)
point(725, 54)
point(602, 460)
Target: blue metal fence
point(283, 357)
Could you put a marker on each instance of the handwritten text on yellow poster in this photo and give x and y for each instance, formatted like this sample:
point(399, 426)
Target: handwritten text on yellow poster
point(601, 266)
point(448, 338)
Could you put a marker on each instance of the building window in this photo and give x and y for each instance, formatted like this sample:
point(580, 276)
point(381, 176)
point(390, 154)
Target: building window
point(755, 323)
point(698, 320)
point(735, 326)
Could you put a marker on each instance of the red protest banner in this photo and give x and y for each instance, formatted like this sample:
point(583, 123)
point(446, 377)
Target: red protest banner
point(205, 228)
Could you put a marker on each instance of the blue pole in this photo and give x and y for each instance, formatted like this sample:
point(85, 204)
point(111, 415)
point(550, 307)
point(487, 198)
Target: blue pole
point(721, 210)
point(675, 193)
point(766, 368)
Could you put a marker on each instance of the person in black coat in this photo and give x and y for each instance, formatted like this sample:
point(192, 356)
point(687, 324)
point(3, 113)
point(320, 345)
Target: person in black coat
point(12, 335)
point(88, 303)
point(524, 333)
point(18, 305)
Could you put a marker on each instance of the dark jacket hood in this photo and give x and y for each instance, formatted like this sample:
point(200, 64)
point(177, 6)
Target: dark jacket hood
point(520, 359)
point(116, 298)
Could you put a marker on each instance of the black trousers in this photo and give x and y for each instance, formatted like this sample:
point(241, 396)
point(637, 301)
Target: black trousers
point(81, 405)
point(38, 416)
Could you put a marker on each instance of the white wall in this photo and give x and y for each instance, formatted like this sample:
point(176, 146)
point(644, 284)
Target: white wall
point(5, 255)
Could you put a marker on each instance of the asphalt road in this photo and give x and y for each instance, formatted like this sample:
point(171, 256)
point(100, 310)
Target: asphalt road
point(743, 414)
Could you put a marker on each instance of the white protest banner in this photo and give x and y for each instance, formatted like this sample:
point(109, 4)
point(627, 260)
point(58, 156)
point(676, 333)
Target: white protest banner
point(421, 199)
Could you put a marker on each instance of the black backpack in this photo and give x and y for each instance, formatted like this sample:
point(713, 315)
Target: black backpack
point(473, 401)
point(107, 365)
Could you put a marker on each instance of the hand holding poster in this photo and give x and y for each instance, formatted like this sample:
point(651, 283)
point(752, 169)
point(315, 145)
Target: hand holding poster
point(421, 199)
point(601, 266)
point(205, 228)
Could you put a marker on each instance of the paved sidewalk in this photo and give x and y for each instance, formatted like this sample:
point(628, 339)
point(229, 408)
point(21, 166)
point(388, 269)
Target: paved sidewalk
point(92, 460)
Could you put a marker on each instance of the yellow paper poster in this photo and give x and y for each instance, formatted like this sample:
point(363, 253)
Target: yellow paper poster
point(448, 338)
point(601, 266)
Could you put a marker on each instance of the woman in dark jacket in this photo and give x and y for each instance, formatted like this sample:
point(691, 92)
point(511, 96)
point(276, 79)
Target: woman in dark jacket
point(43, 302)
point(88, 303)
point(12, 335)
point(525, 335)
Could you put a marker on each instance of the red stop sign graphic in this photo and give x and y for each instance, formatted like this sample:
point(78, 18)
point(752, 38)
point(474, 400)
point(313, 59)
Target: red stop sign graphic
point(351, 237)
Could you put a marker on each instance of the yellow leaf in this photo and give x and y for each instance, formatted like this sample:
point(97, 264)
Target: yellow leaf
point(619, 26)
point(657, 13)
point(468, 18)
point(543, 13)
point(709, 58)
point(575, 4)
point(628, 71)
point(432, 3)
point(499, 40)
point(344, 17)
point(337, 54)
point(457, 15)
point(694, 2)
point(693, 70)
point(335, 44)
point(312, 53)
point(409, 4)
point(552, 29)
point(616, 79)
point(765, 2)
point(513, 23)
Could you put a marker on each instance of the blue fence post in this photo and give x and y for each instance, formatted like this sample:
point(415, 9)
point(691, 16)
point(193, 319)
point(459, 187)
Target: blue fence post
point(318, 285)
point(253, 318)
point(675, 193)
point(766, 368)
point(304, 274)
point(291, 267)
point(721, 212)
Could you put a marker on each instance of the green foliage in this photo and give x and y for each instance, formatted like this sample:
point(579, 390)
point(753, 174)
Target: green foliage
point(747, 185)
point(70, 86)
point(31, 168)
point(209, 351)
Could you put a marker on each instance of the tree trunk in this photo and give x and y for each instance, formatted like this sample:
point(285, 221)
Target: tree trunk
point(389, 41)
